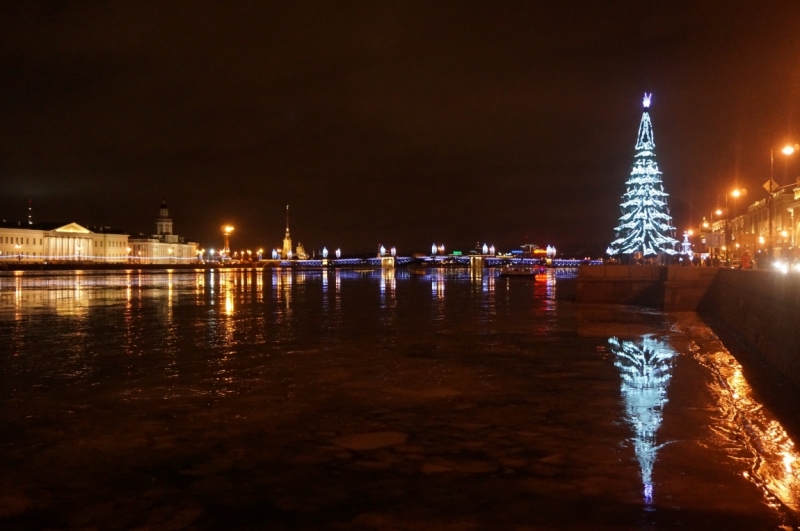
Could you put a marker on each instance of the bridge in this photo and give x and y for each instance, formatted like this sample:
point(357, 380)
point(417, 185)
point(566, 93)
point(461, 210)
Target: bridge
point(472, 261)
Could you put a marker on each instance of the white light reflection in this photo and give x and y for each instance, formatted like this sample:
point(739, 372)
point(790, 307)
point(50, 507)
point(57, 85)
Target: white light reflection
point(437, 286)
point(646, 368)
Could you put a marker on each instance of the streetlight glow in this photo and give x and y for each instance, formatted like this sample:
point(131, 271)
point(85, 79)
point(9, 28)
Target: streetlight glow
point(788, 150)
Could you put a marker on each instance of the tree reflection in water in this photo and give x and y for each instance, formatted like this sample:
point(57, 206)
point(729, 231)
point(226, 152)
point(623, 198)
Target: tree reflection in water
point(646, 368)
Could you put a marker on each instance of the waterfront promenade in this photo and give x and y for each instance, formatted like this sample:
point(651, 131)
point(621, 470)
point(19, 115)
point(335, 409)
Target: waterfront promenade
point(372, 400)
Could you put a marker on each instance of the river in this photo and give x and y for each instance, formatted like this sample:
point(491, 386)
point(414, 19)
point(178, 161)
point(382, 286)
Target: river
point(371, 399)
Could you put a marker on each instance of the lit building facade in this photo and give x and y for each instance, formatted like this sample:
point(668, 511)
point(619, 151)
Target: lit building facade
point(163, 247)
point(58, 243)
point(750, 231)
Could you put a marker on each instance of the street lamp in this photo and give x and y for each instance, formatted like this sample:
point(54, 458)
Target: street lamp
point(19, 254)
point(735, 194)
point(260, 252)
point(772, 190)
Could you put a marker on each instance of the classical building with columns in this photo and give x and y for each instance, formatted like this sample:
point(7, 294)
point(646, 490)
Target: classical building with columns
point(59, 242)
point(163, 247)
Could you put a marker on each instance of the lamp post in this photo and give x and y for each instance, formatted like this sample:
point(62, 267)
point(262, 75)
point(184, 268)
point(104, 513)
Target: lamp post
point(19, 254)
point(772, 190)
point(735, 194)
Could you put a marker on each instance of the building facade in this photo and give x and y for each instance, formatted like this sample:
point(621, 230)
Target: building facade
point(59, 243)
point(163, 247)
point(750, 231)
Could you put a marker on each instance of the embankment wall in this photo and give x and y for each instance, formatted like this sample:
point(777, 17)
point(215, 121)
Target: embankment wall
point(756, 313)
point(760, 312)
point(670, 288)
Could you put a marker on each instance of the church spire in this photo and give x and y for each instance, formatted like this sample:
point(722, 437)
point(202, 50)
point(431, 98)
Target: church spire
point(286, 251)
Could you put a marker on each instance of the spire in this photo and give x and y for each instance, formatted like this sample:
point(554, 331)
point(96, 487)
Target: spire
point(645, 142)
point(287, 221)
point(30, 212)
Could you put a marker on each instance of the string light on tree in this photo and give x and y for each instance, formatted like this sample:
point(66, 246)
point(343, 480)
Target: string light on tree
point(645, 226)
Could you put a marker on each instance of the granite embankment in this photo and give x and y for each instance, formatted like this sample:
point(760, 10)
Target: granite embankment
point(756, 313)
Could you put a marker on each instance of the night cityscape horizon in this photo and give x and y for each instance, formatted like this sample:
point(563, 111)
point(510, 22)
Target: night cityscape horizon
point(375, 126)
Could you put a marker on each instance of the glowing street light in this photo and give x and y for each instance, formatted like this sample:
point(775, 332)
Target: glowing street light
point(338, 253)
point(433, 249)
point(260, 252)
point(485, 249)
point(771, 189)
point(736, 193)
point(393, 251)
point(324, 252)
point(274, 254)
point(383, 250)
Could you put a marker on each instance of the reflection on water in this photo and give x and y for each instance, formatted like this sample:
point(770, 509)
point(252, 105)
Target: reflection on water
point(484, 376)
point(646, 368)
point(750, 434)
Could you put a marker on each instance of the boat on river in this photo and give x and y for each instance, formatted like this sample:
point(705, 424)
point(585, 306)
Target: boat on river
point(519, 271)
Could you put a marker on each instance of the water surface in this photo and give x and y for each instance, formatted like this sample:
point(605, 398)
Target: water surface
point(371, 399)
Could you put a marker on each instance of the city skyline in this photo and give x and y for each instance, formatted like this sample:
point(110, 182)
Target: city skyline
point(395, 124)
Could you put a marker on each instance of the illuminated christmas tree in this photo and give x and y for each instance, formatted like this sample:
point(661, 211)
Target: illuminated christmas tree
point(645, 370)
point(645, 226)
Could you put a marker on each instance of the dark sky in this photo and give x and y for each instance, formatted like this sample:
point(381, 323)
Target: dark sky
point(402, 123)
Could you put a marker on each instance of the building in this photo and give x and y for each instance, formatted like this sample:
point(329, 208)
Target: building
point(750, 231)
point(59, 243)
point(163, 247)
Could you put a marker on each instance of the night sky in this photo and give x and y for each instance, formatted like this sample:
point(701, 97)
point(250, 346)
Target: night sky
point(401, 123)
